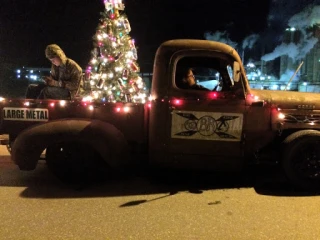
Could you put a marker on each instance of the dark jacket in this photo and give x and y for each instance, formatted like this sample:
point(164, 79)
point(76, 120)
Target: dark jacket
point(68, 75)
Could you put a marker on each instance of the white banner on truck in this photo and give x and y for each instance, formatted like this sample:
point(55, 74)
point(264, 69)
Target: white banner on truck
point(206, 125)
point(25, 114)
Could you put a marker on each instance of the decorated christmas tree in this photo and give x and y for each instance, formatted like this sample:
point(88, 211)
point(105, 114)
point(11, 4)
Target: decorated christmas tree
point(112, 74)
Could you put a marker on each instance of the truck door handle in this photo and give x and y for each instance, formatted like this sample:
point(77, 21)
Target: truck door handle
point(257, 104)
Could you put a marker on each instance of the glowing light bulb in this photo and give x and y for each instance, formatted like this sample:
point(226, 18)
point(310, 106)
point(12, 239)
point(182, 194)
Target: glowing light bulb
point(63, 103)
point(281, 116)
point(87, 99)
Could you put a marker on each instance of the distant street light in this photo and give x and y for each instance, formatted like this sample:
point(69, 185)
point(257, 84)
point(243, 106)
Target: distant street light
point(305, 84)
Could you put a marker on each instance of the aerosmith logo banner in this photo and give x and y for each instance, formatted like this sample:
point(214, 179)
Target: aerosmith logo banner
point(207, 125)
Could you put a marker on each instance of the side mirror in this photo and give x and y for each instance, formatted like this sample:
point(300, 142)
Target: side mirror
point(236, 71)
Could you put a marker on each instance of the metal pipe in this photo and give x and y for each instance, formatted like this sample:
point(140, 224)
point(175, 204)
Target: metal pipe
point(293, 76)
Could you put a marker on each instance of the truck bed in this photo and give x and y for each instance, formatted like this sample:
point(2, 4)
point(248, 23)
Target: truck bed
point(20, 114)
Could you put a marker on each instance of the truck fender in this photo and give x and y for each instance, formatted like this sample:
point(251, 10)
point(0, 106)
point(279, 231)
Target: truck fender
point(102, 136)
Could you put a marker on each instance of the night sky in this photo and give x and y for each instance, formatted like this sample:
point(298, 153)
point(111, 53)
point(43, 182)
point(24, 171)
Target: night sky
point(26, 27)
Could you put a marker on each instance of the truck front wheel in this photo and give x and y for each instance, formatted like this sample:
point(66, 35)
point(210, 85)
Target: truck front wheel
point(75, 162)
point(301, 159)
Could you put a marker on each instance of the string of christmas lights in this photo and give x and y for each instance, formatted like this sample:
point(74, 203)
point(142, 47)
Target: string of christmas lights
point(112, 74)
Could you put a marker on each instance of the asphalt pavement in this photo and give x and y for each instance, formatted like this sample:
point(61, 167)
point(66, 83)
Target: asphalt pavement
point(162, 205)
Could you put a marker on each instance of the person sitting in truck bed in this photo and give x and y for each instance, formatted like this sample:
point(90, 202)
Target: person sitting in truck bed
point(64, 79)
point(188, 80)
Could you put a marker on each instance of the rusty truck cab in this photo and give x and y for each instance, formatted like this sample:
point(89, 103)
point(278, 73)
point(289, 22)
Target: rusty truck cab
point(191, 125)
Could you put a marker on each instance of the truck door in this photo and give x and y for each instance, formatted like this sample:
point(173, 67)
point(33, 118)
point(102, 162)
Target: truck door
point(205, 119)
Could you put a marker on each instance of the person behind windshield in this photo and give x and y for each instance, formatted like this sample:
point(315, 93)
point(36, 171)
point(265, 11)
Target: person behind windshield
point(64, 79)
point(189, 80)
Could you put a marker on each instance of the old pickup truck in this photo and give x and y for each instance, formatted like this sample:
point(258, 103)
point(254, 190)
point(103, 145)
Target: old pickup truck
point(223, 129)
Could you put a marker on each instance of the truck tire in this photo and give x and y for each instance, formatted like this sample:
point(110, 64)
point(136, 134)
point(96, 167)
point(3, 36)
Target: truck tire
point(301, 159)
point(76, 162)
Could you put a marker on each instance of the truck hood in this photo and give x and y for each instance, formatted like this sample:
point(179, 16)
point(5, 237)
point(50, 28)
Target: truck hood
point(288, 99)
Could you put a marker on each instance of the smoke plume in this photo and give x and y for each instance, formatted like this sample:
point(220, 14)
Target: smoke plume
point(220, 37)
point(249, 41)
point(301, 21)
